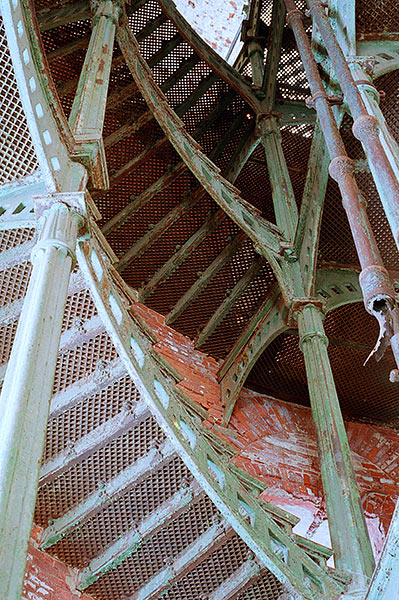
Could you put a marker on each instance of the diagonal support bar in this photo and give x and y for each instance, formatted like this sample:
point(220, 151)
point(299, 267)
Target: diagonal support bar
point(267, 323)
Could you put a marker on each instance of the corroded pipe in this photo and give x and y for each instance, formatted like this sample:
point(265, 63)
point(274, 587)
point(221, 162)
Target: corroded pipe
point(378, 292)
point(366, 127)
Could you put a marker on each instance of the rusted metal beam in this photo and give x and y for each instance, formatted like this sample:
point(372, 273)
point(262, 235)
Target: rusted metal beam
point(100, 436)
point(269, 82)
point(184, 562)
point(251, 37)
point(138, 160)
point(206, 277)
point(378, 292)
point(70, 12)
point(129, 543)
point(223, 310)
point(366, 127)
point(109, 492)
point(267, 323)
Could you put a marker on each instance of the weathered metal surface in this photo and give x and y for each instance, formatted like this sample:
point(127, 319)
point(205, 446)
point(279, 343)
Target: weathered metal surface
point(206, 543)
point(378, 292)
point(266, 324)
point(98, 380)
point(257, 523)
point(384, 584)
point(365, 127)
point(349, 535)
point(285, 207)
point(129, 543)
point(237, 582)
point(112, 489)
point(223, 310)
point(27, 390)
point(88, 444)
point(204, 279)
point(338, 286)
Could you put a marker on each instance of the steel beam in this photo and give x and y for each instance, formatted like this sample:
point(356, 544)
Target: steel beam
point(269, 82)
point(129, 543)
point(108, 492)
point(88, 444)
point(267, 323)
point(27, 388)
point(223, 310)
point(184, 562)
point(70, 13)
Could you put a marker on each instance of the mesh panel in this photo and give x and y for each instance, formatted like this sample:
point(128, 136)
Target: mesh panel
point(151, 557)
point(211, 572)
point(376, 16)
point(14, 282)
point(87, 415)
point(18, 157)
point(11, 238)
point(266, 588)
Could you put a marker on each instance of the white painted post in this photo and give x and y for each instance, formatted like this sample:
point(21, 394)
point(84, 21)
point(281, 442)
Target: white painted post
point(27, 390)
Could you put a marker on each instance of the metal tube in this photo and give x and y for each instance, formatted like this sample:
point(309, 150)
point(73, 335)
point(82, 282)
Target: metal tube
point(27, 390)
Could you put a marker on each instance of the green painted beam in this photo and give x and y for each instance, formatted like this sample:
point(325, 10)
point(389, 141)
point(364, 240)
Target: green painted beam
point(285, 207)
point(224, 309)
point(267, 323)
point(349, 535)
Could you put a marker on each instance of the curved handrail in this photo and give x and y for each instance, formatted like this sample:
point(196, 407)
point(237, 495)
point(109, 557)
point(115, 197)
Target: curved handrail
point(51, 134)
point(262, 526)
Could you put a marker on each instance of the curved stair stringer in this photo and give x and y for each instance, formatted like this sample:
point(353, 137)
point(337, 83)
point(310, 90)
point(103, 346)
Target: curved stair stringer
point(51, 135)
point(266, 529)
point(266, 236)
point(212, 58)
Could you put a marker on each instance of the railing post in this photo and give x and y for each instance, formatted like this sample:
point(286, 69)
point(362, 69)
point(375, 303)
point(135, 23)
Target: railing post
point(349, 535)
point(88, 109)
point(27, 390)
point(371, 100)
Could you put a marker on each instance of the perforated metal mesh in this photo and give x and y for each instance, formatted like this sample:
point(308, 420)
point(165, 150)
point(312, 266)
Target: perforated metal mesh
point(18, 157)
point(11, 238)
point(266, 587)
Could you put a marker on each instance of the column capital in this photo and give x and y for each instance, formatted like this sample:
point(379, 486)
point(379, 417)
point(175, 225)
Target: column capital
point(298, 304)
point(110, 9)
point(60, 224)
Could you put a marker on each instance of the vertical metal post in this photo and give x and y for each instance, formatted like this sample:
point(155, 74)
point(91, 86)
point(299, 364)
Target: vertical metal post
point(371, 100)
point(27, 390)
point(349, 536)
point(365, 126)
point(285, 207)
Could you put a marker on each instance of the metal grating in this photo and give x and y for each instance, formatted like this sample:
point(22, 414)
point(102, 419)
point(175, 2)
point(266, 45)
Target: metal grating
point(11, 238)
point(18, 157)
point(266, 588)
point(14, 282)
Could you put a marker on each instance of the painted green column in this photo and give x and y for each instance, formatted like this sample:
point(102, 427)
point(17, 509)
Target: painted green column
point(27, 390)
point(349, 535)
point(371, 99)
